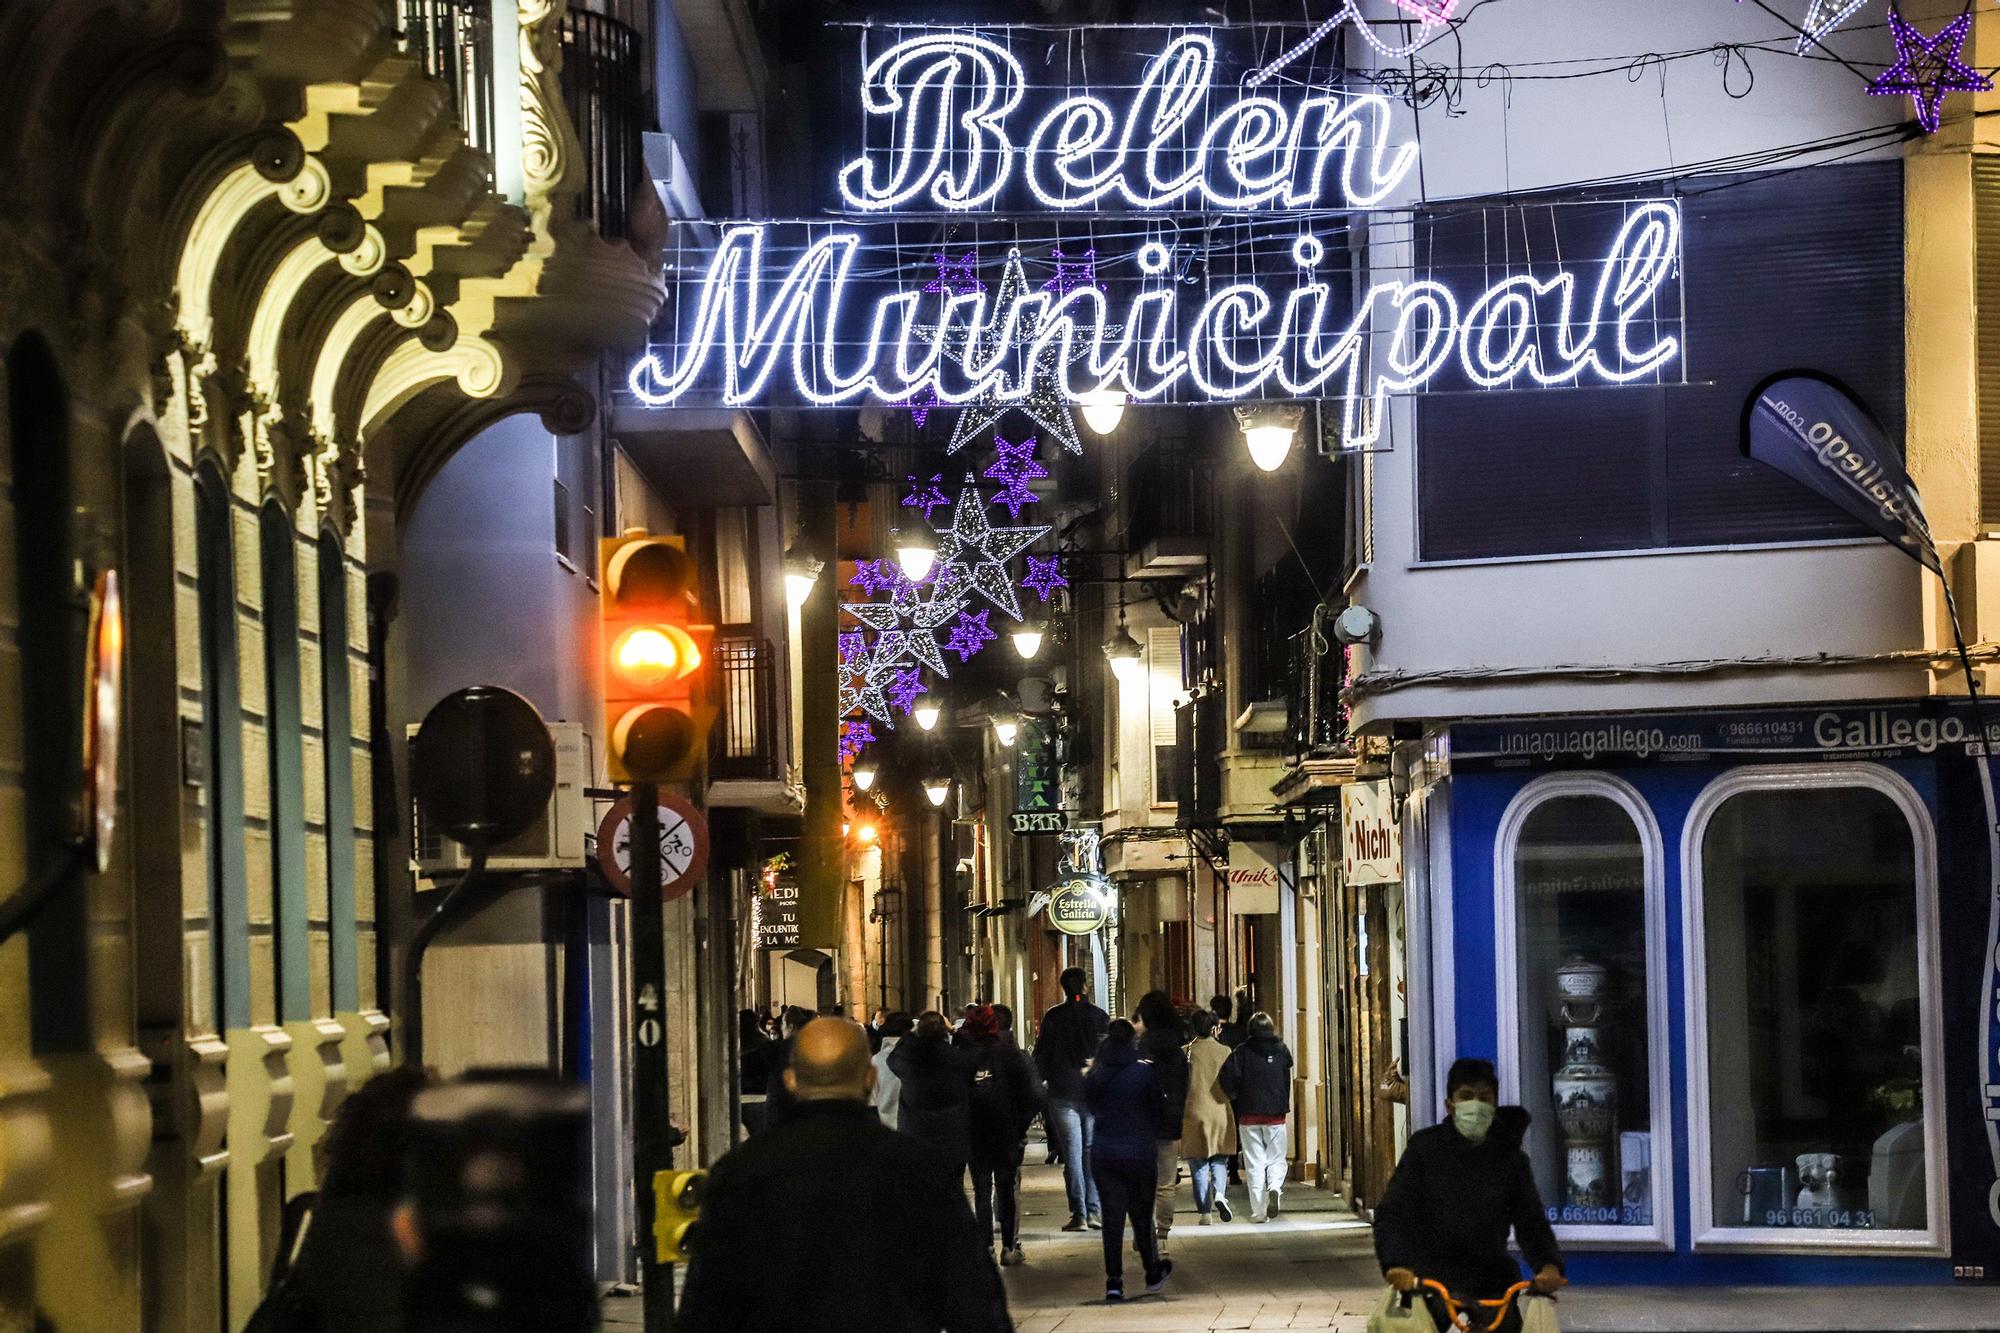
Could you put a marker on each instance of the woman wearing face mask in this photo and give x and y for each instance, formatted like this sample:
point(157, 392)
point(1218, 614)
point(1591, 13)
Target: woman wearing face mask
point(1461, 1187)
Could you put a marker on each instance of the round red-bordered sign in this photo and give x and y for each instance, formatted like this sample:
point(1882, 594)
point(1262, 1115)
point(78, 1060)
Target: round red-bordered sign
point(683, 847)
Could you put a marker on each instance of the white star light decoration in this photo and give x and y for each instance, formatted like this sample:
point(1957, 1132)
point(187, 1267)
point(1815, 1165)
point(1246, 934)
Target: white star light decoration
point(977, 553)
point(1822, 17)
point(1045, 403)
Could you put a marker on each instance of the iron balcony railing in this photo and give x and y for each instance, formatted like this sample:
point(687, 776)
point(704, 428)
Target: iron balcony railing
point(744, 742)
point(603, 87)
point(1316, 722)
point(453, 40)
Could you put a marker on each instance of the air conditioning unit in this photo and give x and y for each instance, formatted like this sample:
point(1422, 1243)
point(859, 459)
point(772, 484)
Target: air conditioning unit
point(555, 842)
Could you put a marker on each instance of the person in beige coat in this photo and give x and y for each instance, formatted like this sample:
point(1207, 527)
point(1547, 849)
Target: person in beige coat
point(1208, 1126)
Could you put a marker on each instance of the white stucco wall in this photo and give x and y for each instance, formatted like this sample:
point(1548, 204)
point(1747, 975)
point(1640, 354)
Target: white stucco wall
point(1842, 599)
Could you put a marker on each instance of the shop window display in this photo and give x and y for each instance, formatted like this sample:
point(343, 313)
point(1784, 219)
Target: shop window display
point(1580, 902)
point(1815, 1044)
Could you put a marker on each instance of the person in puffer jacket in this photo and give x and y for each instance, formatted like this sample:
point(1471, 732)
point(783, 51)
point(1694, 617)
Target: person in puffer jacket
point(1258, 1080)
point(937, 1089)
point(1129, 1103)
point(1461, 1187)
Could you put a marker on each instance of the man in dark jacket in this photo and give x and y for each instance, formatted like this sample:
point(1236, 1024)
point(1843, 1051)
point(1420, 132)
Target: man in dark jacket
point(937, 1087)
point(1006, 1098)
point(1461, 1186)
point(1257, 1079)
point(836, 1195)
point(1130, 1106)
point(1163, 1040)
point(1070, 1035)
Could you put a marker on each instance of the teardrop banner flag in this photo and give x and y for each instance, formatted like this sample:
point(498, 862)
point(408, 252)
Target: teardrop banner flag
point(1813, 429)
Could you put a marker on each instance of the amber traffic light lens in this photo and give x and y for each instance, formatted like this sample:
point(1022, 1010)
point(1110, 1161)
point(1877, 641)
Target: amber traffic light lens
point(652, 739)
point(649, 656)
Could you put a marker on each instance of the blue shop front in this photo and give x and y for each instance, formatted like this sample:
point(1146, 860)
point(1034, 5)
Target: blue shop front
point(1743, 967)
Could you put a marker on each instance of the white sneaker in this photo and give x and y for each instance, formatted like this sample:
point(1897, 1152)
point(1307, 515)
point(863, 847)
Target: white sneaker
point(1012, 1258)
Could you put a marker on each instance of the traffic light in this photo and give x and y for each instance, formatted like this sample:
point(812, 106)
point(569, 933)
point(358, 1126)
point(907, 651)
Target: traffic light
point(676, 1207)
point(656, 709)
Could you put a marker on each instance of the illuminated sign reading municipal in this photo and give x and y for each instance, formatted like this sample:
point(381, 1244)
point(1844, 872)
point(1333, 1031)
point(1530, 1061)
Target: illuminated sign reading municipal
point(837, 311)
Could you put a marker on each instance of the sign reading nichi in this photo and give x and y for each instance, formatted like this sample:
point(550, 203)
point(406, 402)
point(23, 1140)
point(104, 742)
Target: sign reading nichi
point(1043, 292)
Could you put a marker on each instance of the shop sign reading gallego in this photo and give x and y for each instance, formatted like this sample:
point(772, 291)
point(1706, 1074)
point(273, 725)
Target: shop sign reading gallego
point(1080, 906)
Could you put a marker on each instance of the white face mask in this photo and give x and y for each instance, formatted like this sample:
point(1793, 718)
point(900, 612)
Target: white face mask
point(1473, 1119)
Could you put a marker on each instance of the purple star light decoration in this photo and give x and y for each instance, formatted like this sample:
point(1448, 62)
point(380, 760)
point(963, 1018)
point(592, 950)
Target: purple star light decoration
point(852, 644)
point(854, 738)
point(1072, 273)
point(927, 497)
point(875, 577)
point(969, 635)
point(955, 277)
point(1928, 68)
point(1044, 576)
point(921, 402)
point(904, 689)
point(1016, 468)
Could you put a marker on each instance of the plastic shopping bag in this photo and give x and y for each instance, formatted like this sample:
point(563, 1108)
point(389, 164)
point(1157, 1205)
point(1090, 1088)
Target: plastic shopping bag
point(1538, 1315)
point(1392, 1316)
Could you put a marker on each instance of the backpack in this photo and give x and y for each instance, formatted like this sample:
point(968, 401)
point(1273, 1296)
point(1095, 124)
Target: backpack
point(994, 1100)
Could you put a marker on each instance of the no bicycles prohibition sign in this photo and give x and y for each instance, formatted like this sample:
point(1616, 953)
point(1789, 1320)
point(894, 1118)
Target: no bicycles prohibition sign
point(683, 846)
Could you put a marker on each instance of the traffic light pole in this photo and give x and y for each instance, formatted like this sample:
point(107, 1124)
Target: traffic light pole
point(652, 1125)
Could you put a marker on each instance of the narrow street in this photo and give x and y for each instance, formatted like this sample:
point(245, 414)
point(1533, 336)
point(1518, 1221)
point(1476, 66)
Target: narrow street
point(1312, 1268)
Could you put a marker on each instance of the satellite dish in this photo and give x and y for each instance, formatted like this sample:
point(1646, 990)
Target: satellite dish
point(483, 768)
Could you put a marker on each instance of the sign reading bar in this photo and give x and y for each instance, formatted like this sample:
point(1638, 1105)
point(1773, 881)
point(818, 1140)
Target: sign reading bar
point(1040, 821)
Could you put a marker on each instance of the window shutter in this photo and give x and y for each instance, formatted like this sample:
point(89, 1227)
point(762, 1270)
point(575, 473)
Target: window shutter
point(1163, 682)
point(1788, 271)
point(1986, 317)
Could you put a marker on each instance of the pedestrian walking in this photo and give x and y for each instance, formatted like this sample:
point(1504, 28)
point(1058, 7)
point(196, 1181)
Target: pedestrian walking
point(1070, 1035)
point(1208, 1124)
point(870, 1228)
point(1006, 1097)
point(1231, 1033)
point(1258, 1078)
point(1460, 1188)
point(756, 1054)
point(1129, 1103)
point(888, 1095)
point(937, 1087)
point(1163, 1040)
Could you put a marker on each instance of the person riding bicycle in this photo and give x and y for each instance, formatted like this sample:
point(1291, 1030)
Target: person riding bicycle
point(1461, 1186)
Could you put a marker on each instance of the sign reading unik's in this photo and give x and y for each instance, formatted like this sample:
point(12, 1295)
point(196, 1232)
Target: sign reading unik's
point(1261, 306)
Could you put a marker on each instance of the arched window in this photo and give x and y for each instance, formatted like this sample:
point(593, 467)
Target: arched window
point(337, 713)
point(1581, 920)
point(48, 644)
point(222, 727)
point(284, 729)
point(1813, 1029)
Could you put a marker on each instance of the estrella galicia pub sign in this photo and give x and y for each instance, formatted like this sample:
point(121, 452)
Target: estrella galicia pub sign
point(1080, 905)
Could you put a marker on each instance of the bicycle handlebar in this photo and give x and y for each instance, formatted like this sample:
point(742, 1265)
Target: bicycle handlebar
point(1460, 1314)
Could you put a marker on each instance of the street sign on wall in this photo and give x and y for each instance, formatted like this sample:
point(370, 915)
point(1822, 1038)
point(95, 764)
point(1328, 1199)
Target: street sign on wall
point(1080, 906)
point(1252, 873)
point(1371, 842)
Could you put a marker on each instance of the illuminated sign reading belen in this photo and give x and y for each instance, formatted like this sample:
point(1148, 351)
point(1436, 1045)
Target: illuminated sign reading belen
point(802, 297)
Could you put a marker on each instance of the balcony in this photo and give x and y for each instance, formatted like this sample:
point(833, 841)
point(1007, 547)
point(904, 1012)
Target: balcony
point(603, 89)
point(1318, 747)
point(746, 744)
point(1168, 513)
point(452, 40)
